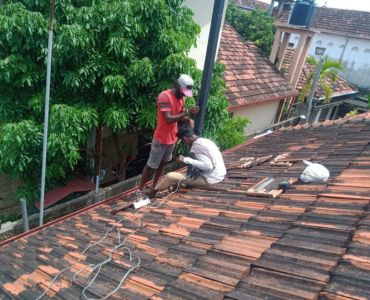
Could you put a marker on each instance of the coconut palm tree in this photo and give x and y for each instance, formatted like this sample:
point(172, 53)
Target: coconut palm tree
point(328, 75)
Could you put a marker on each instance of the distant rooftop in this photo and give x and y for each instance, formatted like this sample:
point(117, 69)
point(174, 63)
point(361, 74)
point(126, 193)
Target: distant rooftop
point(353, 23)
point(252, 4)
point(250, 77)
point(340, 87)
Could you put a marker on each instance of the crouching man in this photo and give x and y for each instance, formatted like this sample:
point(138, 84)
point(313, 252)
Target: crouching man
point(205, 166)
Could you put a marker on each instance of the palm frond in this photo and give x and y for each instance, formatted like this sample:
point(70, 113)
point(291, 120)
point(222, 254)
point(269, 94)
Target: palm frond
point(311, 60)
point(328, 92)
point(332, 64)
point(305, 91)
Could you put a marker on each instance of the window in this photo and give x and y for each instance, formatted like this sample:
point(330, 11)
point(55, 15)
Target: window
point(341, 46)
point(367, 51)
point(324, 113)
point(355, 49)
point(319, 43)
point(330, 45)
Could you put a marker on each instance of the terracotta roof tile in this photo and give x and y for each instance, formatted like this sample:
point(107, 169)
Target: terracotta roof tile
point(250, 77)
point(354, 23)
point(340, 87)
point(311, 242)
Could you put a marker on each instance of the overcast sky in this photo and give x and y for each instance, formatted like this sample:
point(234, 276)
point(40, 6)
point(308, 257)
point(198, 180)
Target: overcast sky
point(347, 4)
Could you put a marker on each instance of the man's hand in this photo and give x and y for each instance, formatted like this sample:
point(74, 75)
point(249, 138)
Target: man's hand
point(185, 119)
point(194, 110)
point(181, 158)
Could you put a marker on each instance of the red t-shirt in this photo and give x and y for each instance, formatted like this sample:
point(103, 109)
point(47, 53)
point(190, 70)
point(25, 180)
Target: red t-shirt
point(165, 133)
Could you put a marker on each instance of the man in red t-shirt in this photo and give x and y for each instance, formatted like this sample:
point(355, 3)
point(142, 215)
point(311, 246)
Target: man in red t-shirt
point(170, 110)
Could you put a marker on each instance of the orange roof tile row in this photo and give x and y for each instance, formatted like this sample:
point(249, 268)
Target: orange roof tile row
point(311, 242)
point(250, 77)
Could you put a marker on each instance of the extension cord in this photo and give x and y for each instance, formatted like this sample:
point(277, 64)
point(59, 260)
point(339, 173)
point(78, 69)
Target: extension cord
point(141, 203)
point(120, 244)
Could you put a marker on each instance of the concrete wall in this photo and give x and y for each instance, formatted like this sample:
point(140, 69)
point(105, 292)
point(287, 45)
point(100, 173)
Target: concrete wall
point(353, 53)
point(202, 10)
point(261, 116)
point(10, 229)
point(8, 202)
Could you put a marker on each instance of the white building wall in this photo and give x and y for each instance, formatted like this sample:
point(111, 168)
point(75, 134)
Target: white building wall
point(356, 60)
point(203, 10)
point(261, 116)
point(353, 53)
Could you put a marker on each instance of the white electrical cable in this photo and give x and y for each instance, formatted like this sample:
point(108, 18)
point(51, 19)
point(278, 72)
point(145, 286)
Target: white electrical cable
point(99, 266)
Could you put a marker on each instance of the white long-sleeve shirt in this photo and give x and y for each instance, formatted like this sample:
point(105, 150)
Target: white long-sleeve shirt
point(209, 160)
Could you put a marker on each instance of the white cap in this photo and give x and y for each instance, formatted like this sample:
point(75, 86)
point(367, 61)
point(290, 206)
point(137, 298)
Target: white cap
point(186, 84)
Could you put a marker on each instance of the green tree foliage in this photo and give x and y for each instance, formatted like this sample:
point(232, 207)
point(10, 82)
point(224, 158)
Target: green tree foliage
point(328, 74)
point(219, 125)
point(255, 26)
point(111, 59)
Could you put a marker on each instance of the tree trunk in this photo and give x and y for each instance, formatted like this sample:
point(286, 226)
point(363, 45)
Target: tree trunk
point(121, 170)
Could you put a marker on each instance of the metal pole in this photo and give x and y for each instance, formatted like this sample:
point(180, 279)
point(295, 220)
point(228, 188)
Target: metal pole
point(315, 81)
point(98, 150)
point(46, 117)
point(271, 9)
point(24, 214)
point(281, 7)
point(214, 34)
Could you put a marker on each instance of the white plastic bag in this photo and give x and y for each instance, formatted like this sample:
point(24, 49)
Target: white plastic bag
point(314, 172)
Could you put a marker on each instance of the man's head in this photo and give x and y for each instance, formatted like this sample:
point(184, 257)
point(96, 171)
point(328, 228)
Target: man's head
point(187, 135)
point(184, 86)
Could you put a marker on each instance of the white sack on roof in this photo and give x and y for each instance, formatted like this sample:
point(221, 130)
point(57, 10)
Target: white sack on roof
point(314, 172)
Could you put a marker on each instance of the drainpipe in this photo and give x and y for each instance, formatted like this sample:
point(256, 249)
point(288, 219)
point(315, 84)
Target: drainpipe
point(46, 117)
point(344, 50)
point(214, 34)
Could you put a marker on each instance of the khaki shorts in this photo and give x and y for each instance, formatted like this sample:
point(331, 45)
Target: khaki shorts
point(173, 178)
point(158, 153)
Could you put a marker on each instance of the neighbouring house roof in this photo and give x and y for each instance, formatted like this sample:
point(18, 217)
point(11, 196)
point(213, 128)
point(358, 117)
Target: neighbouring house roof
point(249, 75)
point(311, 242)
point(77, 184)
point(352, 23)
point(340, 87)
point(252, 4)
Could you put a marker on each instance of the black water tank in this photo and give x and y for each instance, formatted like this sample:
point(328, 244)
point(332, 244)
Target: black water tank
point(302, 13)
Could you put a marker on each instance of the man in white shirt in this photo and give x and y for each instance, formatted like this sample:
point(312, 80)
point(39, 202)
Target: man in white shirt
point(206, 167)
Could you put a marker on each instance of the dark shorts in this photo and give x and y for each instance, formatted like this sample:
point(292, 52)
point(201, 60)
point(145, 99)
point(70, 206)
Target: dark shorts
point(158, 153)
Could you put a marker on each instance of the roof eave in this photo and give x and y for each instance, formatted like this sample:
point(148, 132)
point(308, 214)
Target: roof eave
point(274, 99)
point(326, 31)
point(339, 95)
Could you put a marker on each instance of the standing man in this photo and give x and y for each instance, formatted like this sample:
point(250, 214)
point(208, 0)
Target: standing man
point(205, 165)
point(170, 111)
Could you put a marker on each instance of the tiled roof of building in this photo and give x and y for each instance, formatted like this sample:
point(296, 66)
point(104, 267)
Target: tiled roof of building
point(353, 23)
point(340, 87)
point(311, 242)
point(252, 4)
point(250, 77)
